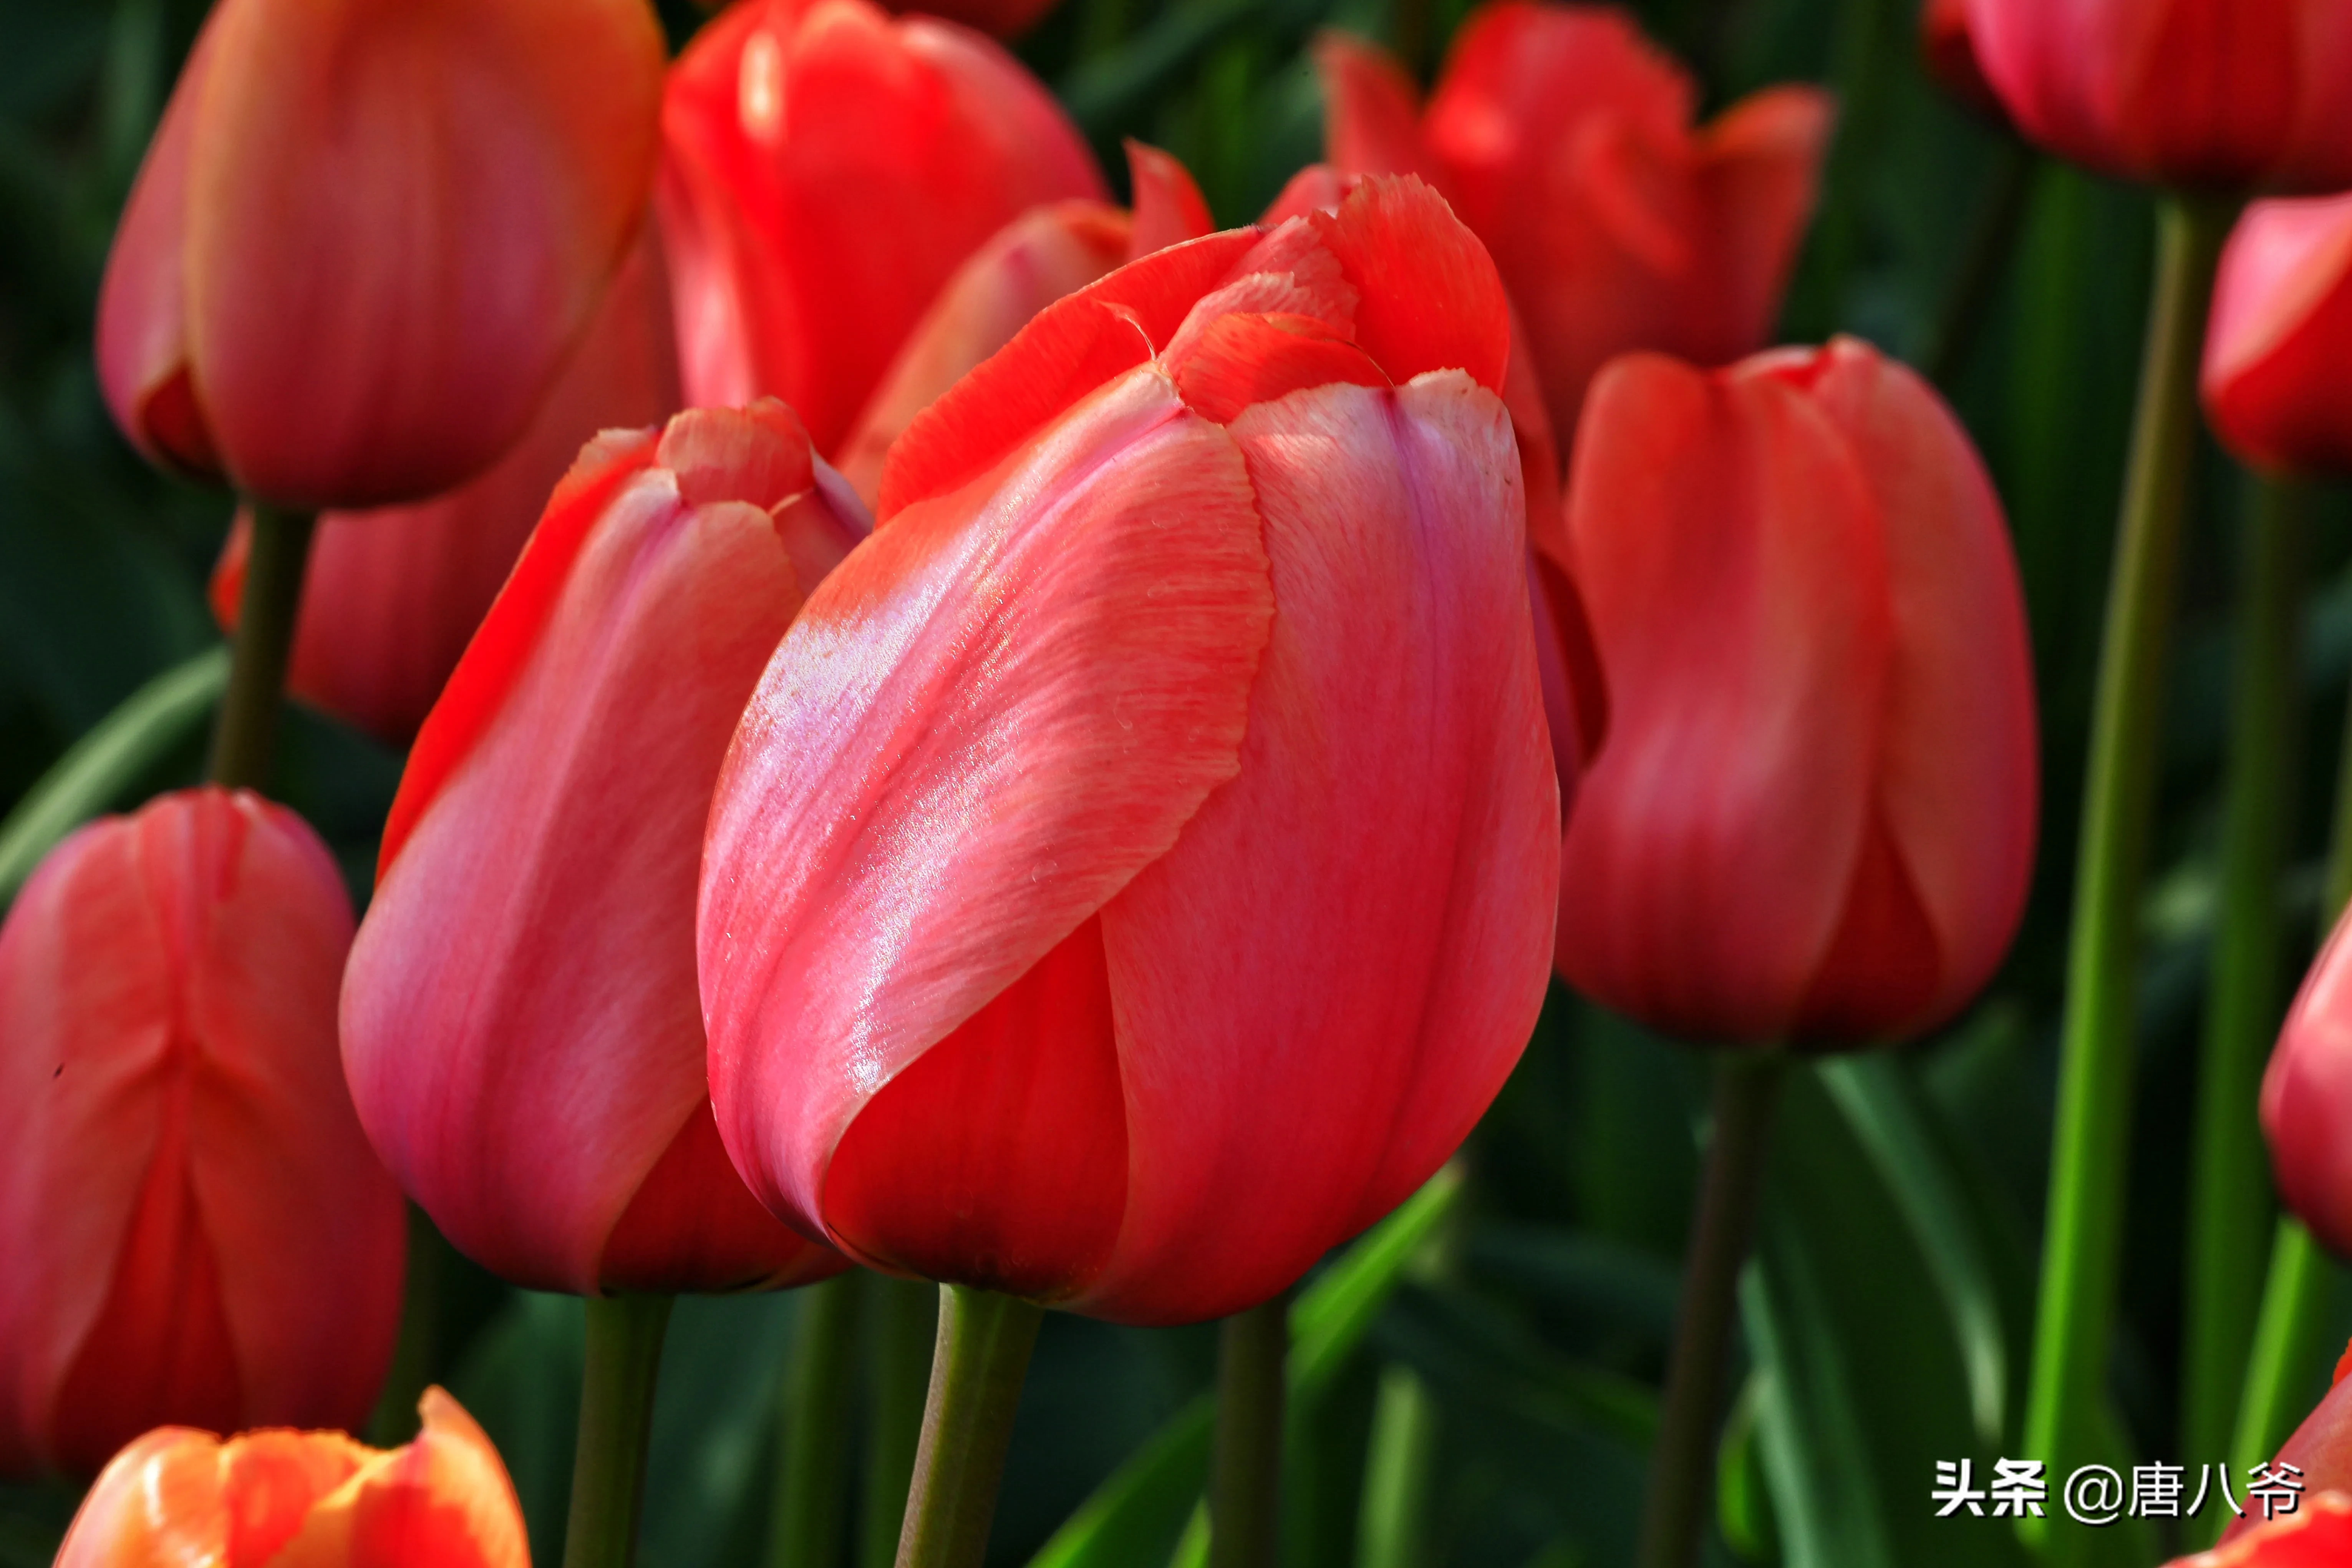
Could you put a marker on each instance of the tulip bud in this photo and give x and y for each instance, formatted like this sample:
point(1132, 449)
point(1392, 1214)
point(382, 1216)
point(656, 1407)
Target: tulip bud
point(520, 1023)
point(1565, 141)
point(1040, 255)
point(1133, 874)
point(304, 1499)
point(391, 596)
point(2274, 381)
point(826, 169)
point(2227, 95)
point(1813, 819)
point(2306, 1101)
point(192, 1229)
point(367, 234)
point(1950, 53)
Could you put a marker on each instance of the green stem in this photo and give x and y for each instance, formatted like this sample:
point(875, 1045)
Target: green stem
point(1746, 1085)
point(418, 1348)
point(617, 1414)
point(902, 1319)
point(813, 1471)
point(2084, 1222)
point(982, 1355)
point(2229, 1204)
point(1392, 1528)
point(245, 735)
point(1245, 1461)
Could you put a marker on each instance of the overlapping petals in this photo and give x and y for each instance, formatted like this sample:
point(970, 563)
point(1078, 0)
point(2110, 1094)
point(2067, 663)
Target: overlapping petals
point(2276, 348)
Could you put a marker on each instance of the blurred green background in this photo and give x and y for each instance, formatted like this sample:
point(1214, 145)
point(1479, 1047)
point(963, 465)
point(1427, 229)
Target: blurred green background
point(1888, 1317)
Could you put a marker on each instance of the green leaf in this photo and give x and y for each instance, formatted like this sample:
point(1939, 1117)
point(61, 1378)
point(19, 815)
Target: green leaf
point(1138, 1512)
point(91, 777)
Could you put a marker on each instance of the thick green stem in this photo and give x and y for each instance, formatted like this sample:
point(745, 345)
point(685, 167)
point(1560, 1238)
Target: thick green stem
point(902, 1319)
point(2230, 1206)
point(2084, 1223)
point(1401, 1463)
point(616, 1417)
point(1682, 1469)
point(1245, 1463)
point(977, 1366)
point(245, 735)
point(418, 1350)
point(813, 1430)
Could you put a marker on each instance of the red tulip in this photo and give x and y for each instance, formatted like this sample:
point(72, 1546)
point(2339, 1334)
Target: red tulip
point(392, 595)
point(2275, 379)
point(1950, 54)
point(2307, 1100)
point(1040, 255)
point(2233, 95)
point(521, 1025)
point(367, 233)
point(2317, 1534)
point(192, 1229)
point(1812, 821)
point(304, 1499)
point(1565, 141)
point(827, 169)
point(1134, 872)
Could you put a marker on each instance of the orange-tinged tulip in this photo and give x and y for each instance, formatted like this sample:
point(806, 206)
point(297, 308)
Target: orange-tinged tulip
point(1813, 818)
point(192, 1227)
point(2276, 352)
point(367, 233)
point(826, 168)
point(392, 595)
point(1040, 255)
point(1565, 141)
point(2230, 95)
point(521, 1024)
point(279, 1499)
point(2317, 1534)
point(1133, 874)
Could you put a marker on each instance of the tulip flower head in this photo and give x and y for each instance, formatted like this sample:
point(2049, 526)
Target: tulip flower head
point(2306, 1101)
point(367, 234)
point(192, 1229)
point(1949, 52)
point(1565, 141)
point(392, 595)
point(826, 169)
point(1045, 253)
point(521, 1024)
point(2228, 95)
point(1133, 874)
point(1812, 820)
point(2275, 352)
point(304, 1499)
point(2318, 1534)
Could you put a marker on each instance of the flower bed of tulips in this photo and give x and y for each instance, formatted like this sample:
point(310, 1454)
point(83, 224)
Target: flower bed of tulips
point(1082, 783)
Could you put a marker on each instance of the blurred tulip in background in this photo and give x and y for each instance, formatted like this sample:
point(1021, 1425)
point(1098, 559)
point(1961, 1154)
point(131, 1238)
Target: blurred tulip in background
point(392, 595)
point(1564, 140)
point(2278, 351)
point(828, 168)
point(1812, 820)
point(366, 236)
point(304, 1499)
point(520, 1023)
point(2227, 95)
point(1096, 970)
point(192, 1229)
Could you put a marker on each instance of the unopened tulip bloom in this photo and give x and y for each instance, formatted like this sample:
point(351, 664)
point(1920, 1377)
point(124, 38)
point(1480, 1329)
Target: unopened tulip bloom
point(520, 1023)
point(2230, 95)
point(2306, 1101)
point(191, 1227)
point(1040, 255)
point(393, 595)
point(1134, 874)
point(304, 1499)
point(1950, 54)
point(367, 234)
point(1813, 819)
point(2277, 352)
point(826, 168)
point(1565, 141)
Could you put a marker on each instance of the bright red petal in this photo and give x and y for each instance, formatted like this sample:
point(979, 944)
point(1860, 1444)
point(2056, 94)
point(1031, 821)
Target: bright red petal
point(1168, 207)
point(1371, 112)
point(1430, 296)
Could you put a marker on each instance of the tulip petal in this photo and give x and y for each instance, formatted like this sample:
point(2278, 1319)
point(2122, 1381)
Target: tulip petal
point(2273, 354)
point(1371, 111)
point(443, 1501)
point(272, 1480)
point(2307, 1098)
point(1429, 296)
point(157, 1504)
point(1001, 707)
point(1073, 346)
point(1395, 784)
point(520, 1022)
point(1241, 359)
point(1959, 784)
point(485, 167)
point(1717, 832)
point(1757, 179)
point(1168, 207)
